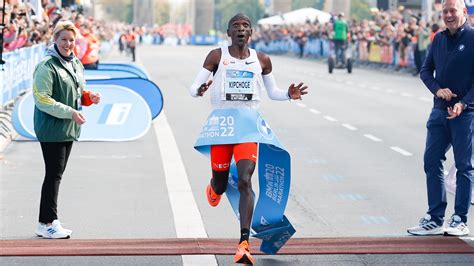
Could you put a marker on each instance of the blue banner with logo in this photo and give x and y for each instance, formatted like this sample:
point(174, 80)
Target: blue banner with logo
point(122, 115)
point(146, 88)
point(129, 67)
point(229, 126)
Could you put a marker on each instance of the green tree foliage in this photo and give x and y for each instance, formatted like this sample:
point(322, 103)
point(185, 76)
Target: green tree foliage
point(360, 9)
point(225, 9)
point(297, 4)
point(162, 10)
point(120, 10)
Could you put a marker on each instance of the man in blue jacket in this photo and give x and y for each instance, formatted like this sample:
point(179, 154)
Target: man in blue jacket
point(451, 57)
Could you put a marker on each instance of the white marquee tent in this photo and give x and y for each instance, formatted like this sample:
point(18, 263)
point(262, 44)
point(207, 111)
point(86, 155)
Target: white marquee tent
point(299, 16)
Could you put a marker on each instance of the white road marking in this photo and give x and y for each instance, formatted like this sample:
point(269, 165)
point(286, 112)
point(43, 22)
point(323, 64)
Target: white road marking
point(406, 94)
point(349, 126)
point(425, 99)
point(330, 118)
point(199, 260)
point(314, 111)
point(401, 151)
point(375, 88)
point(302, 105)
point(372, 137)
point(187, 218)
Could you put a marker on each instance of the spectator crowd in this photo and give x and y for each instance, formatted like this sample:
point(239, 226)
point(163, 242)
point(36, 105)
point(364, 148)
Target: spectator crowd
point(25, 27)
point(399, 38)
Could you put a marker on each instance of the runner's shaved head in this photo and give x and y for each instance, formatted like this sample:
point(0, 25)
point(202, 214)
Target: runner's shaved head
point(239, 16)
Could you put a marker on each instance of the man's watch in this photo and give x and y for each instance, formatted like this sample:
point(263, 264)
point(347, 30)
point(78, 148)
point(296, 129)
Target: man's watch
point(464, 105)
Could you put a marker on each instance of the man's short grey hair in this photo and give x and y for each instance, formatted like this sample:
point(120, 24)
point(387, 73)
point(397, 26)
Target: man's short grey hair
point(460, 3)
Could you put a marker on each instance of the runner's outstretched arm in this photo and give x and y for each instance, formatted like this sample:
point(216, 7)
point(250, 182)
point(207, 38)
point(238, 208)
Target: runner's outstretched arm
point(201, 83)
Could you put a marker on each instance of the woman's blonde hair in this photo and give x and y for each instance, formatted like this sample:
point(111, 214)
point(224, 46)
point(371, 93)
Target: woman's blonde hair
point(64, 25)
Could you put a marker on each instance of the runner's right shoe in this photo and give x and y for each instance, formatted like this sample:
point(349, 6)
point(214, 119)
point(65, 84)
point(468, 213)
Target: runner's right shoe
point(426, 227)
point(212, 197)
point(243, 254)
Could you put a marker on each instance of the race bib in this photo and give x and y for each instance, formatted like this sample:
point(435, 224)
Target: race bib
point(239, 85)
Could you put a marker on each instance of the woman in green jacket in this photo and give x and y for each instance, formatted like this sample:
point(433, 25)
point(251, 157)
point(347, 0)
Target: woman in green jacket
point(59, 95)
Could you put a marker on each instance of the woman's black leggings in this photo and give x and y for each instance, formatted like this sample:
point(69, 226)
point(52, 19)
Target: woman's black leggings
point(55, 155)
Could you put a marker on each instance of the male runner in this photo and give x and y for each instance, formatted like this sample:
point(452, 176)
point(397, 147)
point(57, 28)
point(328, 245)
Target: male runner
point(239, 75)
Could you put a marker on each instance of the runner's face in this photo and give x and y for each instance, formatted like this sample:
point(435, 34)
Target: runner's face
point(240, 31)
point(453, 15)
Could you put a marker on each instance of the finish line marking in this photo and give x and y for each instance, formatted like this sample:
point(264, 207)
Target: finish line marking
point(197, 248)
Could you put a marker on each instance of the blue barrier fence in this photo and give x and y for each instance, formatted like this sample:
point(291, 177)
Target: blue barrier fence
point(314, 47)
point(17, 74)
point(204, 39)
point(322, 48)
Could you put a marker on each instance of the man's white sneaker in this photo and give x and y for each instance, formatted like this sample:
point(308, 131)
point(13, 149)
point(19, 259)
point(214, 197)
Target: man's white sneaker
point(426, 227)
point(456, 227)
point(55, 231)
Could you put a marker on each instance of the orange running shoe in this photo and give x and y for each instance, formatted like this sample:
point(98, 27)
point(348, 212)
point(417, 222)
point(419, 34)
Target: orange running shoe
point(212, 197)
point(243, 254)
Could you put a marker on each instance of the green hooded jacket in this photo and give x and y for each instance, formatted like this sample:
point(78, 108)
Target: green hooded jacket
point(340, 30)
point(57, 90)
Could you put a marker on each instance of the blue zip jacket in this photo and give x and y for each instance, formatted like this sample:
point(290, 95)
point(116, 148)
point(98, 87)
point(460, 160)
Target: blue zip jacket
point(452, 57)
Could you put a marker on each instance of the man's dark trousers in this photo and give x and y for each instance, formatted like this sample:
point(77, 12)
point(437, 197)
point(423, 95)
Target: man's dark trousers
point(442, 134)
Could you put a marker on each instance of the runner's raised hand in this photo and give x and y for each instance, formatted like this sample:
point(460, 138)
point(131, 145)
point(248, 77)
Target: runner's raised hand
point(203, 88)
point(295, 92)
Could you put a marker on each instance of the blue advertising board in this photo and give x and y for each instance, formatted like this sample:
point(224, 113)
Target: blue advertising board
point(130, 67)
point(199, 39)
point(108, 74)
point(17, 74)
point(146, 88)
point(122, 115)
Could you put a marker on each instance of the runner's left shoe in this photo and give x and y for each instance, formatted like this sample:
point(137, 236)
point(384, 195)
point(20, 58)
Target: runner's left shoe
point(243, 254)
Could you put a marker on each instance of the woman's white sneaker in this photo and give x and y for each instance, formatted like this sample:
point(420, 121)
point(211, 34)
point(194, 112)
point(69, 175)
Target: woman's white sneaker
point(40, 228)
point(55, 231)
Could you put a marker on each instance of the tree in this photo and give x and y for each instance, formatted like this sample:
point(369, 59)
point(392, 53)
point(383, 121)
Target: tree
point(297, 4)
point(360, 9)
point(226, 9)
point(162, 11)
point(120, 10)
